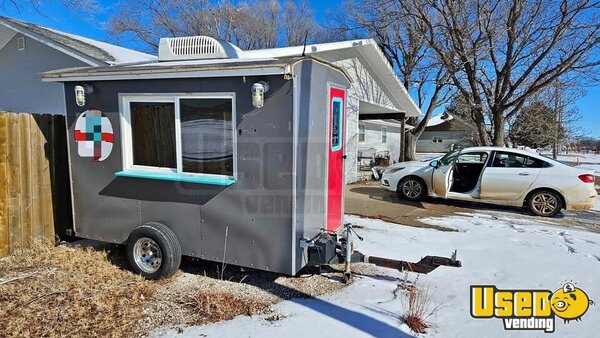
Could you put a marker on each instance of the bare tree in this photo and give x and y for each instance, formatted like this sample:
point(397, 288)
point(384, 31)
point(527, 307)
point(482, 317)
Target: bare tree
point(392, 24)
point(78, 7)
point(249, 25)
point(297, 27)
point(503, 52)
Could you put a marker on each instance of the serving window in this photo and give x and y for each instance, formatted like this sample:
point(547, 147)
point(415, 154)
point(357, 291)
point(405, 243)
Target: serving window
point(179, 137)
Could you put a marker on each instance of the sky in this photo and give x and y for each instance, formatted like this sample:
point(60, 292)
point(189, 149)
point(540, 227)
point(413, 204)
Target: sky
point(55, 15)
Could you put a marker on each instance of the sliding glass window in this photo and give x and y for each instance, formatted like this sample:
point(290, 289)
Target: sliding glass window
point(187, 135)
point(153, 134)
point(206, 136)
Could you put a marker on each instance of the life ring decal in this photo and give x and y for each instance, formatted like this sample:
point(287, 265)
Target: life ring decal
point(94, 135)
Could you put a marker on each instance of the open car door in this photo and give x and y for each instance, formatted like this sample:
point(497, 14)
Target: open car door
point(443, 174)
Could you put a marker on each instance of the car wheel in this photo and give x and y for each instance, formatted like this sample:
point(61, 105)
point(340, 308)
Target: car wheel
point(153, 251)
point(545, 203)
point(412, 189)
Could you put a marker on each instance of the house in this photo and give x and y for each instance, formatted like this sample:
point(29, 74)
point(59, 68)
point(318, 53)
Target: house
point(445, 132)
point(376, 96)
point(378, 140)
point(26, 50)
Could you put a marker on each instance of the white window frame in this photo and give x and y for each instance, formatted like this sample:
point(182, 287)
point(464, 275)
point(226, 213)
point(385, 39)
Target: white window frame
point(384, 131)
point(21, 43)
point(364, 132)
point(126, 135)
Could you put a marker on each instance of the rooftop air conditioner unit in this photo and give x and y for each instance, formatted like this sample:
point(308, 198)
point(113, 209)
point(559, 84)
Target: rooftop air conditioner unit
point(196, 48)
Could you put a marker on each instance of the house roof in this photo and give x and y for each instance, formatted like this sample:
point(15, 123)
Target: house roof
point(92, 52)
point(447, 122)
point(387, 122)
point(367, 52)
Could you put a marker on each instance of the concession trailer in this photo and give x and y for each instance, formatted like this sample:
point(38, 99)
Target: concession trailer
point(208, 154)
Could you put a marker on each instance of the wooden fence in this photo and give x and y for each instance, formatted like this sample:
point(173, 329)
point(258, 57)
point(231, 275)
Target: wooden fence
point(34, 189)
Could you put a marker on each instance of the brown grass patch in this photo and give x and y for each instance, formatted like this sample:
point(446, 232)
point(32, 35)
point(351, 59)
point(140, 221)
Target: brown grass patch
point(62, 291)
point(418, 307)
point(217, 306)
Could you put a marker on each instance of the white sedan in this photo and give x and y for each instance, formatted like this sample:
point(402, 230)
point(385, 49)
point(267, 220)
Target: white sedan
point(495, 175)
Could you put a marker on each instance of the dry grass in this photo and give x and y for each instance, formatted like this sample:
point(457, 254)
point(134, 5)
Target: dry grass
point(60, 291)
point(63, 291)
point(217, 306)
point(418, 306)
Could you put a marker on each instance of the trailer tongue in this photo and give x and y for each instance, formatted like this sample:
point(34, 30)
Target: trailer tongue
point(326, 249)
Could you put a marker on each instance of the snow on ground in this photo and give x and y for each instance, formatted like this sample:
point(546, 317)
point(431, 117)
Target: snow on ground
point(499, 250)
point(594, 167)
point(596, 207)
point(582, 158)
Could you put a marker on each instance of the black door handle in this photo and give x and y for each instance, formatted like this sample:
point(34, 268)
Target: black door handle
point(344, 156)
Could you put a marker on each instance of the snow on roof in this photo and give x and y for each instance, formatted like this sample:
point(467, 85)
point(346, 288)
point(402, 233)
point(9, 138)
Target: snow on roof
point(367, 52)
point(92, 52)
point(439, 119)
point(118, 53)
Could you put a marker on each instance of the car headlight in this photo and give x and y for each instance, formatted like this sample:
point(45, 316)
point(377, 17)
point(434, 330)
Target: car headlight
point(392, 170)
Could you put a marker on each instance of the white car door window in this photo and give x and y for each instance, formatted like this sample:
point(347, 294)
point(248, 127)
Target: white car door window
point(509, 176)
point(442, 175)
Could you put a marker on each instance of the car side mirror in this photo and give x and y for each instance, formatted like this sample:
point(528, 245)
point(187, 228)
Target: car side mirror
point(434, 163)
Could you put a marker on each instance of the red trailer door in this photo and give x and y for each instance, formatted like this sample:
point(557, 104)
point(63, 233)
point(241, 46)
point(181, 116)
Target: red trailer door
point(335, 172)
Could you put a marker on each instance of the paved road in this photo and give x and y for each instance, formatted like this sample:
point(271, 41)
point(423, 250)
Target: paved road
point(370, 200)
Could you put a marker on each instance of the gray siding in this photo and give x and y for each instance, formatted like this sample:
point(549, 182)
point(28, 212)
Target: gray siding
point(21, 88)
point(373, 139)
point(450, 139)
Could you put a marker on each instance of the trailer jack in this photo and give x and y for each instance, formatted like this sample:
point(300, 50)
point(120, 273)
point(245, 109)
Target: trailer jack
point(321, 252)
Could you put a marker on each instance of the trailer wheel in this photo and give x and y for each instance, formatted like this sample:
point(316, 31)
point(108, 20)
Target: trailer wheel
point(347, 278)
point(153, 251)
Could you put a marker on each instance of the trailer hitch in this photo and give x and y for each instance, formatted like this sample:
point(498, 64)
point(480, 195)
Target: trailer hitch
point(425, 265)
point(348, 255)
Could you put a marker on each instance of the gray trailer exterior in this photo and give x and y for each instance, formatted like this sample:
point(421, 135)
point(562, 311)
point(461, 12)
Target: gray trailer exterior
point(279, 195)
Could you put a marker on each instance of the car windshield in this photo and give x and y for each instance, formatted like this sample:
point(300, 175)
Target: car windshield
point(449, 157)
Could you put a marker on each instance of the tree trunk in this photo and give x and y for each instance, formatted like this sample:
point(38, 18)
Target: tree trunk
point(499, 129)
point(410, 146)
point(484, 137)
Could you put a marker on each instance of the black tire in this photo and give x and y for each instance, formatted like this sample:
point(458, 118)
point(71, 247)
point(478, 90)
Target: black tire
point(411, 188)
point(347, 278)
point(545, 203)
point(153, 251)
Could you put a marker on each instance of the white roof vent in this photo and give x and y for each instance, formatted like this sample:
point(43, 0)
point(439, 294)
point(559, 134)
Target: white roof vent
point(196, 48)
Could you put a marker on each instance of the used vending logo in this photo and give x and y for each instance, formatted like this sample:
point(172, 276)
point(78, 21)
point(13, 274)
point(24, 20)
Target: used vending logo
point(529, 309)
